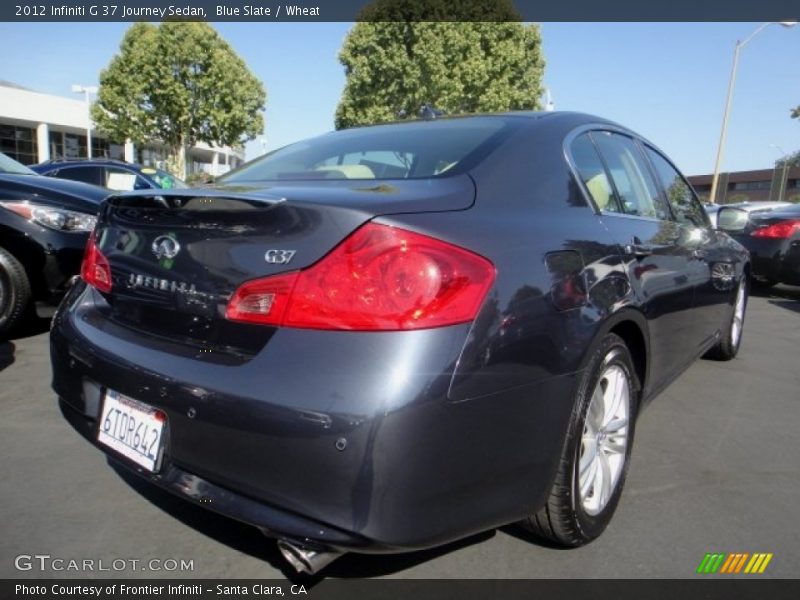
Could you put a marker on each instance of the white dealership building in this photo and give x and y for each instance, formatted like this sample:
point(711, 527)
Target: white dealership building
point(35, 127)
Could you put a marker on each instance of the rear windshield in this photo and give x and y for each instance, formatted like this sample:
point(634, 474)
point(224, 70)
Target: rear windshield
point(416, 150)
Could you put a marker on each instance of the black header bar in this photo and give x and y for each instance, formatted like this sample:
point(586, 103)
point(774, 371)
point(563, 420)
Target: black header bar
point(350, 10)
point(705, 587)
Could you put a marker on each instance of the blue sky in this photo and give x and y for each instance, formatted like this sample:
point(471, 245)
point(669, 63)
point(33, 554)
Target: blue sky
point(665, 80)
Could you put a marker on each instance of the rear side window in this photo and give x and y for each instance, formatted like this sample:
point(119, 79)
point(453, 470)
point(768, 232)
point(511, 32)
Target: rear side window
point(685, 206)
point(593, 174)
point(123, 180)
point(637, 191)
point(85, 174)
point(402, 151)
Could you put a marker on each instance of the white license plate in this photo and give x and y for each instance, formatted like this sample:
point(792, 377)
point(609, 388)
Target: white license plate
point(132, 428)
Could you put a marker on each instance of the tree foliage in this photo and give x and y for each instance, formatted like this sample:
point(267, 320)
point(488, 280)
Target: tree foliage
point(790, 160)
point(480, 59)
point(795, 112)
point(178, 83)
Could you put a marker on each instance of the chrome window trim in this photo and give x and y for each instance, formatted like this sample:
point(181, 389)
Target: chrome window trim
point(570, 160)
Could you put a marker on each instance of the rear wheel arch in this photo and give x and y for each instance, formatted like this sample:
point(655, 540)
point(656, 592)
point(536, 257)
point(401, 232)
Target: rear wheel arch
point(630, 325)
point(634, 338)
point(576, 511)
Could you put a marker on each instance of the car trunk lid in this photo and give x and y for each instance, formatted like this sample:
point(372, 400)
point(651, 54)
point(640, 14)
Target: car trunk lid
point(176, 257)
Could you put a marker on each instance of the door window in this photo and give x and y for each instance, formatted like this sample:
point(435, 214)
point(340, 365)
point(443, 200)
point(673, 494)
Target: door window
point(684, 204)
point(637, 191)
point(593, 174)
point(85, 174)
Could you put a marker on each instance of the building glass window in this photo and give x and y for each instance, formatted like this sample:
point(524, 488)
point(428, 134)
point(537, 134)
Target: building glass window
point(56, 145)
point(152, 157)
point(99, 148)
point(751, 185)
point(116, 151)
point(74, 146)
point(19, 143)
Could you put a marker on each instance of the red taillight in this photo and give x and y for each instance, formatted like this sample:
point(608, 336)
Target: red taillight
point(782, 230)
point(95, 269)
point(379, 279)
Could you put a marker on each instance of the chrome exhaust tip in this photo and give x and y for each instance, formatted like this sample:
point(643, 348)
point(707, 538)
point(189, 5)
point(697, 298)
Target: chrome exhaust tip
point(304, 559)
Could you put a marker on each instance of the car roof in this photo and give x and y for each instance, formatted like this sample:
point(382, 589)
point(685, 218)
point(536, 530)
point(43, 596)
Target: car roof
point(88, 162)
point(755, 205)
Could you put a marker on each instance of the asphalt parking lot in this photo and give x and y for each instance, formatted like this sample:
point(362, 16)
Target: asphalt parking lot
point(715, 468)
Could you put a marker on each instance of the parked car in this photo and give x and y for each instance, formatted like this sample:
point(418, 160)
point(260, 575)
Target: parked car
point(387, 338)
point(44, 226)
point(712, 210)
point(773, 239)
point(115, 175)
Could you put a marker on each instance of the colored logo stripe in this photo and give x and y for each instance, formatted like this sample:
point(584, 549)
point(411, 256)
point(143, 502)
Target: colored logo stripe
point(734, 563)
point(710, 563)
point(719, 562)
point(758, 563)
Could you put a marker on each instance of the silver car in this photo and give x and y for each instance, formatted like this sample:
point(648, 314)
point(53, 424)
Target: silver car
point(750, 207)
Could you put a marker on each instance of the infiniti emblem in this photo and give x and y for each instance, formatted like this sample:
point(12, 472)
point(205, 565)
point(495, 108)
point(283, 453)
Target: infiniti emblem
point(165, 247)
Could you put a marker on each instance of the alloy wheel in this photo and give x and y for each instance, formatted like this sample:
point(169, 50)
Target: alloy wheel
point(605, 440)
point(738, 316)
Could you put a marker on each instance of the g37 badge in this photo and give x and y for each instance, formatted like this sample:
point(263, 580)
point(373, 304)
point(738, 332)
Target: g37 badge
point(279, 257)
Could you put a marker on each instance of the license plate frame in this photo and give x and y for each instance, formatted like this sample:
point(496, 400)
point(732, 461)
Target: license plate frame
point(133, 429)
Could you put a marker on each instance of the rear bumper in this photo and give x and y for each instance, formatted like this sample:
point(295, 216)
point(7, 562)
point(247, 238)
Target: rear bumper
point(272, 521)
point(776, 260)
point(263, 439)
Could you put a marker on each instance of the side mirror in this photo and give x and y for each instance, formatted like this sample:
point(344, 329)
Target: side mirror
point(732, 219)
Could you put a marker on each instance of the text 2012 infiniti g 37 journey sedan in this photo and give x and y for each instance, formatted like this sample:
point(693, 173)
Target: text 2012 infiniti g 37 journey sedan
point(387, 338)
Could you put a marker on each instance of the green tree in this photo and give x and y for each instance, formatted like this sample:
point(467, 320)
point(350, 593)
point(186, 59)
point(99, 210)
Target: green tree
point(480, 59)
point(795, 112)
point(178, 83)
point(790, 160)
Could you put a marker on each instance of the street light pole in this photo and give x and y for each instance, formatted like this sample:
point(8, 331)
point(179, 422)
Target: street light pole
point(784, 171)
point(731, 84)
point(86, 90)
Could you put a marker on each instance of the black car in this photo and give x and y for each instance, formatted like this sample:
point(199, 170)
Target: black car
point(773, 238)
point(391, 337)
point(113, 174)
point(44, 225)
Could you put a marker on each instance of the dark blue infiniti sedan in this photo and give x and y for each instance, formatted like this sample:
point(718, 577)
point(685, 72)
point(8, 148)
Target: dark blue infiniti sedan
point(391, 337)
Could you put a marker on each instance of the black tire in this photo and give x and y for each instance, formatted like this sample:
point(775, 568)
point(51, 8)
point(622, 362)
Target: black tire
point(564, 520)
point(729, 342)
point(15, 293)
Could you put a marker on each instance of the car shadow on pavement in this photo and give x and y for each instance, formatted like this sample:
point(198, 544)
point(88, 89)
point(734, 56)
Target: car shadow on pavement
point(30, 326)
point(247, 539)
point(516, 531)
point(783, 296)
point(6, 354)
